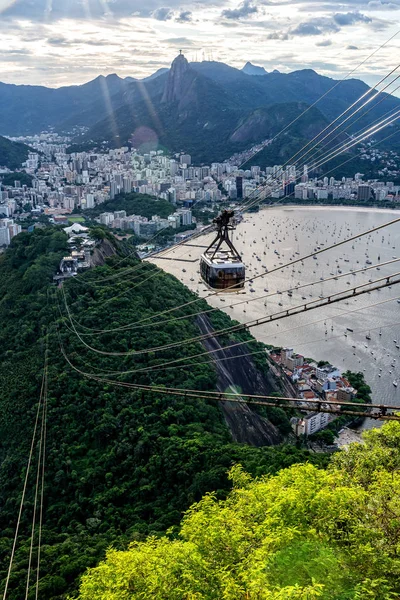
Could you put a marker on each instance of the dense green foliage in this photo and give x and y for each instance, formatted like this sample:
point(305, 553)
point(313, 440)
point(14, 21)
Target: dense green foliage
point(12, 154)
point(135, 204)
point(357, 381)
point(302, 534)
point(120, 464)
point(9, 178)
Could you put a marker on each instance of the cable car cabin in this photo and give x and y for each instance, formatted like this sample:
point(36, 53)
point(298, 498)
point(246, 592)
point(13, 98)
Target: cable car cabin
point(223, 269)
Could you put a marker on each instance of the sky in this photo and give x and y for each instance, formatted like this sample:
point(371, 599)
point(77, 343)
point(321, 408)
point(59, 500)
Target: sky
point(69, 42)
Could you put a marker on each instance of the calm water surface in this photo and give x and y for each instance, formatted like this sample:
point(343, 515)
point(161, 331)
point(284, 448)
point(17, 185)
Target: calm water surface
point(276, 236)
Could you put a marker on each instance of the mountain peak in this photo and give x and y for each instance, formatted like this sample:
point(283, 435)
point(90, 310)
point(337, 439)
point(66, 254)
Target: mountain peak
point(174, 87)
point(250, 69)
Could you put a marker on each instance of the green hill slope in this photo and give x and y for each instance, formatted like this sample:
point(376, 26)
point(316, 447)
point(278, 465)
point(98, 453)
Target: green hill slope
point(120, 464)
point(12, 154)
point(300, 535)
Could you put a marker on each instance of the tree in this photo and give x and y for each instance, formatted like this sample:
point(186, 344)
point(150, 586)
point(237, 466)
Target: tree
point(304, 533)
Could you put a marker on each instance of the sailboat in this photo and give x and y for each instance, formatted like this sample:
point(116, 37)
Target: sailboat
point(368, 336)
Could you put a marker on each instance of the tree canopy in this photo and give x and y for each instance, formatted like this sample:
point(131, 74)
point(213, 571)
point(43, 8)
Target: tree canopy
point(120, 464)
point(303, 534)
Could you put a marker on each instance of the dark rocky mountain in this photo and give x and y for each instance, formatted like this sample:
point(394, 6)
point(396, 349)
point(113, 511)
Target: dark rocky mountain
point(208, 109)
point(12, 154)
point(156, 74)
point(251, 69)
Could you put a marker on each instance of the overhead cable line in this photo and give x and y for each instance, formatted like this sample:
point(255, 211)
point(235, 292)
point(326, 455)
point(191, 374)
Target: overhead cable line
point(28, 467)
point(338, 83)
point(368, 92)
point(38, 496)
point(307, 306)
point(171, 365)
point(326, 94)
point(136, 325)
point(331, 406)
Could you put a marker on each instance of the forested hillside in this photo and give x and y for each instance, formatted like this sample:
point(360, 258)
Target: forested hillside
point(120, 464)
point(302, 534)
point(12, 154)
point(135, 204)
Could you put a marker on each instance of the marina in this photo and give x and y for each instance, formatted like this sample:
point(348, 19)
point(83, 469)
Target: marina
point(359, 334)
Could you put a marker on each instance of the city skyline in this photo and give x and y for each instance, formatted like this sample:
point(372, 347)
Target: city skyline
point(54, 43)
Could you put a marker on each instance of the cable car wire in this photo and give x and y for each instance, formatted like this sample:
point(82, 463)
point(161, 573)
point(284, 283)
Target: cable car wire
point(172, 364)
point(136, 325)
point(282, 402)
point(332, 298)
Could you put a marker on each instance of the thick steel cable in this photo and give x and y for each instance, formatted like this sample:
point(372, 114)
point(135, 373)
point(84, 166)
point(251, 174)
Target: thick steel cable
point(130, 326)
point(368, 92)
point(162, 367)
point(332, 299)
point(363, 115)
point(326, 94)
point(38, 472)
point(249, 398)
point(356, 140)
point(269, 272)
point(24, 490)
point(43, 477)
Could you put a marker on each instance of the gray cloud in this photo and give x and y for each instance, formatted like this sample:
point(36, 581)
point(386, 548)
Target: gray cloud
point(179, 41)
point(245, 9)
point(184, 16)
point(277, 35)
point(352, 47)
point(316, 26)
point(163, 14)
point(324, 43)
point(59, 41)
point(86, 9)
point(350, 18)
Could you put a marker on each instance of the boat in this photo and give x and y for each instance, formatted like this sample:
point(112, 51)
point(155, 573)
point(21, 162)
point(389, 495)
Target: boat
point(395, 383)
point(348, 329)
point(368, 336)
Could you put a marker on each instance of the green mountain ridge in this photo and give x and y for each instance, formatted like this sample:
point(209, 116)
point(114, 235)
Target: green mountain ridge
point(214, 99)
point(120, 464)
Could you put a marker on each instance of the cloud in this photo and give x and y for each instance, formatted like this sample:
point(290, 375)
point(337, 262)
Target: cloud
point(306, 29)
point(316, 26)
point(384, 5)
point(59, 41)
point(162, 14)
point(324, 43)
point(351, 47)
point(245, 9)
point(179, 41)
point(184, 17)
point(350, 18)
point(277, 35)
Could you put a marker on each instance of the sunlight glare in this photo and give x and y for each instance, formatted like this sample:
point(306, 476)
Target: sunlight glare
point(4, 4)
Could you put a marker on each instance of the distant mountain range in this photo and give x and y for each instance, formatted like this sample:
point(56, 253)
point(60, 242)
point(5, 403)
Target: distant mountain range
point(208, 109)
